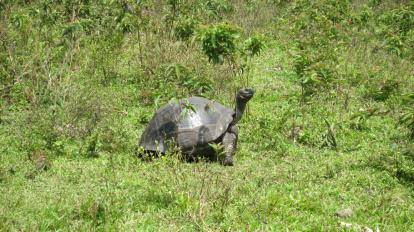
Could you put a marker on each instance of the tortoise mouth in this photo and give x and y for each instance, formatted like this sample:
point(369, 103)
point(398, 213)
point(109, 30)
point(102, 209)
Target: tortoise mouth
point(245, 93)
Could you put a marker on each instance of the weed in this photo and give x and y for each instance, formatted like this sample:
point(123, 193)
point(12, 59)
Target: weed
point(219, 42)
point(331, 124)
point(407, 117)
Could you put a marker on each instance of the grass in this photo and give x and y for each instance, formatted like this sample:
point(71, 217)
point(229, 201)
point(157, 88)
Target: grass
point(74, 100)
point(276, 184)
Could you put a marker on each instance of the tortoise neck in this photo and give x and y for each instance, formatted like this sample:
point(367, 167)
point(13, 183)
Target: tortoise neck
point(240, 107)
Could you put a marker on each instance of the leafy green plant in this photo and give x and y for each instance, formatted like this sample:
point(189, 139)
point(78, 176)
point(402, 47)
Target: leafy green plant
point(197, 85)
point(188, 108)
point(382, 91)
point(185, 28)
point(126, 23)
point(94, 210)
point(92, 145)
point(252, 47)
point(20, 20)
point(358, 120)
point(402, 19)
point(216, 8)
point(318, 33)
point(178, 80)
point(219, 42)
point(329, 137)
point(174, 7)
point(218, 149)
point(397, 29)
point(407, 117)
point(362, 17)
point(315, 70)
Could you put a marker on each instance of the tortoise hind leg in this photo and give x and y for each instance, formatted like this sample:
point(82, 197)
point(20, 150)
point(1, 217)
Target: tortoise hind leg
point(230, 144)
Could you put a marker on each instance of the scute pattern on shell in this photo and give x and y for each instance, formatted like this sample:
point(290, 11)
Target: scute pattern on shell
point(191, 130)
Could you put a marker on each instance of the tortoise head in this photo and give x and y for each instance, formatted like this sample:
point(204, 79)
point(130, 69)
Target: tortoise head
point(245, 94)
point(242, 97)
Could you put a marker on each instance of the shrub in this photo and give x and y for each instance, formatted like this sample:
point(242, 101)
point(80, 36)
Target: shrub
point(318, 32)
point(397, 29)
point(185, 28)
point(407, 117)
point(219, 42)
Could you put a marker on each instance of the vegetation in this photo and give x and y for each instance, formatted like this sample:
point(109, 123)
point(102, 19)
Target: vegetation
point(331, 125)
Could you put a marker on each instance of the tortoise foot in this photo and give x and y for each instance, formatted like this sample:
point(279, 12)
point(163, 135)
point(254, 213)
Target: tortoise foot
point(228, 161)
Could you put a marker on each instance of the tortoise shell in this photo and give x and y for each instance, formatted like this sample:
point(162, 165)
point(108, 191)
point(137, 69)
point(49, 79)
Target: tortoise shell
point(191, 124)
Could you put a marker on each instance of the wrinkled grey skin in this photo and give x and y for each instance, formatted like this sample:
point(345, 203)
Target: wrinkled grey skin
point(193, 124)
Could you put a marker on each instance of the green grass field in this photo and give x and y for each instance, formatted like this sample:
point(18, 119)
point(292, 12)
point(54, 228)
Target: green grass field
point(276, 184)
point(69, 128)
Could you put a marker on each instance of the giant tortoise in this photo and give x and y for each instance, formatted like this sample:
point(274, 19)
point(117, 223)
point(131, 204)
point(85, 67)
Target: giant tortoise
point(193, 124)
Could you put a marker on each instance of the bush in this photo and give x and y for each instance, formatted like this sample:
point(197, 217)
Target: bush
point(318, 31)
point(397, 30)
point(185, 28)
point(219, 42)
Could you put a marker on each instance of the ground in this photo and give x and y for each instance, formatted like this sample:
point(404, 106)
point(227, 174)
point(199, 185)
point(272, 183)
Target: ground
point(282, 179)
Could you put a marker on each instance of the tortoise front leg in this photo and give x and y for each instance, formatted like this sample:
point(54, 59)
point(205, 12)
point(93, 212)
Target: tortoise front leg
point(230, 145)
